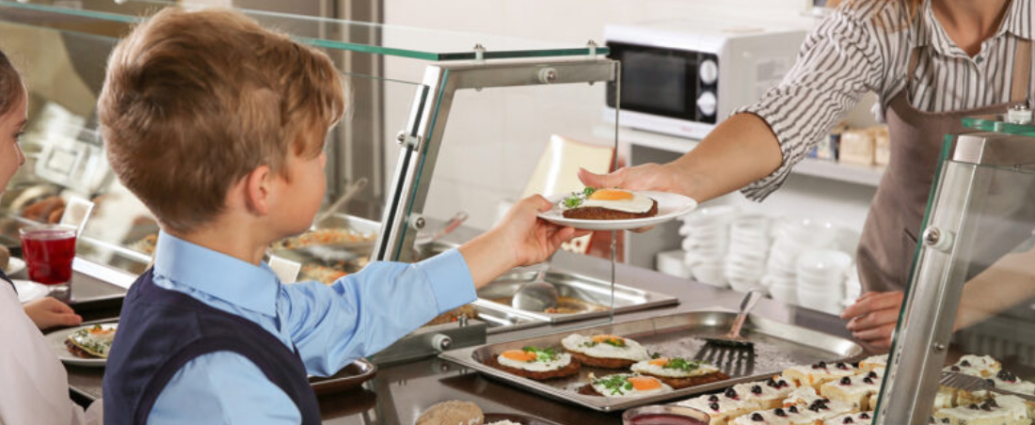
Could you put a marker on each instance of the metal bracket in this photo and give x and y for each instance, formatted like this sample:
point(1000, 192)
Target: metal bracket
point(938, 239)
point(408, 140)
point(417, 221)
point(592, 47)
point(547, 75)
point(479, 53)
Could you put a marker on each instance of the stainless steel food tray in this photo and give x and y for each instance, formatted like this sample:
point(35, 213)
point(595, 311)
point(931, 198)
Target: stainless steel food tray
point(584, 288)
point(777, 347)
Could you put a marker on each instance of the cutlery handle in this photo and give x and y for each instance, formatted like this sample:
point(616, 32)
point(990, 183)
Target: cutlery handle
point(749, 302)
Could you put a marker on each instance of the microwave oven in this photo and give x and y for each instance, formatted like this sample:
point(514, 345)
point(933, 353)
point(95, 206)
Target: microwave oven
point(683, 77)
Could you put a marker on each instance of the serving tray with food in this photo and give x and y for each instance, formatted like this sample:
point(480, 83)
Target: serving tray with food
point(642, 362)
point(616, 209)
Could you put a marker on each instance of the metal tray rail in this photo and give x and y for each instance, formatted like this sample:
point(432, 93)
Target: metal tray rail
point(777, 347)
point(584, 288)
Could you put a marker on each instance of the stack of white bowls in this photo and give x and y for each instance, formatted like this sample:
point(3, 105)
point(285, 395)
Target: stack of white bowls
point(707, 240)
point(821, 279)
point(749, 248)
point(792, 237)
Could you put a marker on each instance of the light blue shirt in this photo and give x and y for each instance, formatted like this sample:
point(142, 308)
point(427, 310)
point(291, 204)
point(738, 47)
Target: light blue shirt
point(331, 325)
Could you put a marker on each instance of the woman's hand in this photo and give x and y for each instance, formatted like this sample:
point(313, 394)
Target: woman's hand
point(874, 316)
point(521, 239)
point(49, 312)
point(641, 177)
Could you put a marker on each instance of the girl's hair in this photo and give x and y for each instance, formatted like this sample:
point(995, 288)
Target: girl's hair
point(11, 89)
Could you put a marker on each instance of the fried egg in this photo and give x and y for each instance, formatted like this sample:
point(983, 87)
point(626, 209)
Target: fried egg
point(619, 200)
point(534, 359)
point(628, 385)
point(605, 347)
point(95, 340)
point(674, 368)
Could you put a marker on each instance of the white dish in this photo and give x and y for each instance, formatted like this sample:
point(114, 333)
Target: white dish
point(56, 340)
point(29, 291)
point(14, 266)
point(670, 206)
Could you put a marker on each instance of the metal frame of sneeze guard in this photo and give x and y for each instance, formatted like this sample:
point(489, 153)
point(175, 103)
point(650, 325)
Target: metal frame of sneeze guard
point(926, 328)
point(422, 137)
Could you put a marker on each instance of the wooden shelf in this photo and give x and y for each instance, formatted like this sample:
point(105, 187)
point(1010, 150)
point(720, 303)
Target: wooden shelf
point(820, 168)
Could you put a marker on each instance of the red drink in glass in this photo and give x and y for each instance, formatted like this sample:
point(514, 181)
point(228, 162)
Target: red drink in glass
point(49, 251)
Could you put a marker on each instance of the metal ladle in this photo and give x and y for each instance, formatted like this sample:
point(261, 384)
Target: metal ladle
point(537, 295)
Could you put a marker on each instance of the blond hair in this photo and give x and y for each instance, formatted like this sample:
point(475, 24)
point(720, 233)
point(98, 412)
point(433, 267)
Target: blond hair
point(11, 88)
point(194, 101)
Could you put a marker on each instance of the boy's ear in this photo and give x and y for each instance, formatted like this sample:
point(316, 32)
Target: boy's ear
point(257, 190)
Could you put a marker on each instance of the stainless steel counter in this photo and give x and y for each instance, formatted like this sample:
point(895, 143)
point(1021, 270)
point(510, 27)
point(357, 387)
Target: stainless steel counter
point(400, 393)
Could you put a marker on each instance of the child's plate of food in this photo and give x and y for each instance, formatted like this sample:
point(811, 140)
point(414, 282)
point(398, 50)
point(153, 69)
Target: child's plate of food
point(85, 345)
point(616, 209)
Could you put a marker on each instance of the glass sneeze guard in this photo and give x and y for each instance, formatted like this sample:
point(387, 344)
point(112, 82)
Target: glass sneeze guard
point(379, 39)
point(970, 306)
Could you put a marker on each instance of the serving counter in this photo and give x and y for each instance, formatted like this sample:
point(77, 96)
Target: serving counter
point(401, 392)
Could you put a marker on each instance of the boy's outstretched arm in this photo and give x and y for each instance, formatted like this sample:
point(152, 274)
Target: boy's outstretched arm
point(521, 239)
point(363, 313)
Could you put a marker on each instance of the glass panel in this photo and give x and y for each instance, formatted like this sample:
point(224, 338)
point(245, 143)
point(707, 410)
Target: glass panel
point(986, 218)
point(501, 145)
point(999, 123)
point(109, 18)
point(65, 71)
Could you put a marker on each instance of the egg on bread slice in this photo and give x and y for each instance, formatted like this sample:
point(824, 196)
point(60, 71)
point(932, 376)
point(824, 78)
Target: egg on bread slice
point(605, 351)
point(610, 204)
point(537, 363)
point(628, 385)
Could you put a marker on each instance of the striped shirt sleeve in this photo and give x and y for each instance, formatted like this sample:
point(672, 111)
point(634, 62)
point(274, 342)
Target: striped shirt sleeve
point(840, 61)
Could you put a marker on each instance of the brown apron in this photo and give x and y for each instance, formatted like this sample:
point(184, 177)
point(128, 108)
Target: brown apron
point(889, 237)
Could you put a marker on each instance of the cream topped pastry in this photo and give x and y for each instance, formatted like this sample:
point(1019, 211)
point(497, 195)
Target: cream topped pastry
point(769, 393)
point(980, 366)
point(722, 407)
point(818, 374)
point(874, 362)
point(1004, 410)
point(764, 417)
point(861, 418)
point(853, 389)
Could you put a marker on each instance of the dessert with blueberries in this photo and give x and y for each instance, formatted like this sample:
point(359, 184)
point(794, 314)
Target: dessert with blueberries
point(817, 374)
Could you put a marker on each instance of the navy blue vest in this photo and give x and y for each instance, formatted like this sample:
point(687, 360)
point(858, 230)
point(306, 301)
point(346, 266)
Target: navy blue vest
point(161, 330)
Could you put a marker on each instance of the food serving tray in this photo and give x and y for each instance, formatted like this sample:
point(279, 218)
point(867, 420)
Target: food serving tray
point(576, 287)
point(777, 346)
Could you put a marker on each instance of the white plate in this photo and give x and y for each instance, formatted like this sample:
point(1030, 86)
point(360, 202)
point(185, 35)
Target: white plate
point(14, 266)
point(670, 207)
point(29, 291)
point(56, 340)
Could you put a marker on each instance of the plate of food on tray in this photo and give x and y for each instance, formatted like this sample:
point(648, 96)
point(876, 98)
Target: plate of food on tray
point(85, 345)
point(616, 209)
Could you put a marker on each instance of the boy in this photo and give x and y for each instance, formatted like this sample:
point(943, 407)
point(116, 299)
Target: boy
point(217, 125)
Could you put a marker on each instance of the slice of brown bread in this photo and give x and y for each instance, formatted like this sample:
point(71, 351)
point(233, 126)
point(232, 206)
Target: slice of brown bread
point(601, 213)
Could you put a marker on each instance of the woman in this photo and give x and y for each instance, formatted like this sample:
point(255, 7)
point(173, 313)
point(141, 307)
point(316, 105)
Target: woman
point(932, 62)
point(35, 384)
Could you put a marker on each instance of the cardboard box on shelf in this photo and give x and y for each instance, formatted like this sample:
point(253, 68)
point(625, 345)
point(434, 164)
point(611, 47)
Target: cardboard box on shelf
point(857, 147)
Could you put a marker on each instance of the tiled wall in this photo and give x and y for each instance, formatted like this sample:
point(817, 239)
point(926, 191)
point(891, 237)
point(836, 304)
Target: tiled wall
point(494, 138)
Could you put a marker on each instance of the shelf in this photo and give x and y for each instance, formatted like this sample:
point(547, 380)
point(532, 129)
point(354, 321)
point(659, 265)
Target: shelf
point(108, 18)
point(830, 170)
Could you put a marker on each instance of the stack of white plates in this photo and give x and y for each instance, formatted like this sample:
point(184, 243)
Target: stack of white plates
point(821, 279)
point(792, 237)
point(853, 286)
point(707, 240)
point(749, 248)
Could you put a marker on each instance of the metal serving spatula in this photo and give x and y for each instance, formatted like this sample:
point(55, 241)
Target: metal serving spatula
point(733, 338)
point(972, 383)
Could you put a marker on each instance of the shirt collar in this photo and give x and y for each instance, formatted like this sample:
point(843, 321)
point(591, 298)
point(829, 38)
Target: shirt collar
point(216, 274)
point(1018, 21)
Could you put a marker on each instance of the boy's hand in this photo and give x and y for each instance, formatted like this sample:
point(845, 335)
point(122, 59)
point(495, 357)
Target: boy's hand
point(532, 239)
point(522, 238)
point(49, 312)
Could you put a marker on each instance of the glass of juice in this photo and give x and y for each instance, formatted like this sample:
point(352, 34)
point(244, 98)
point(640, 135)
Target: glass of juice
point(665, 415)
point(49, 251)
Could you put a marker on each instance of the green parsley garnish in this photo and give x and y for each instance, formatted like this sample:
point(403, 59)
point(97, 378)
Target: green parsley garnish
point(682, 364)
point(589, 344)
point(615, 342)
point(542, 354)
point(616, 384)
point(577, 198)
point(655, 356)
